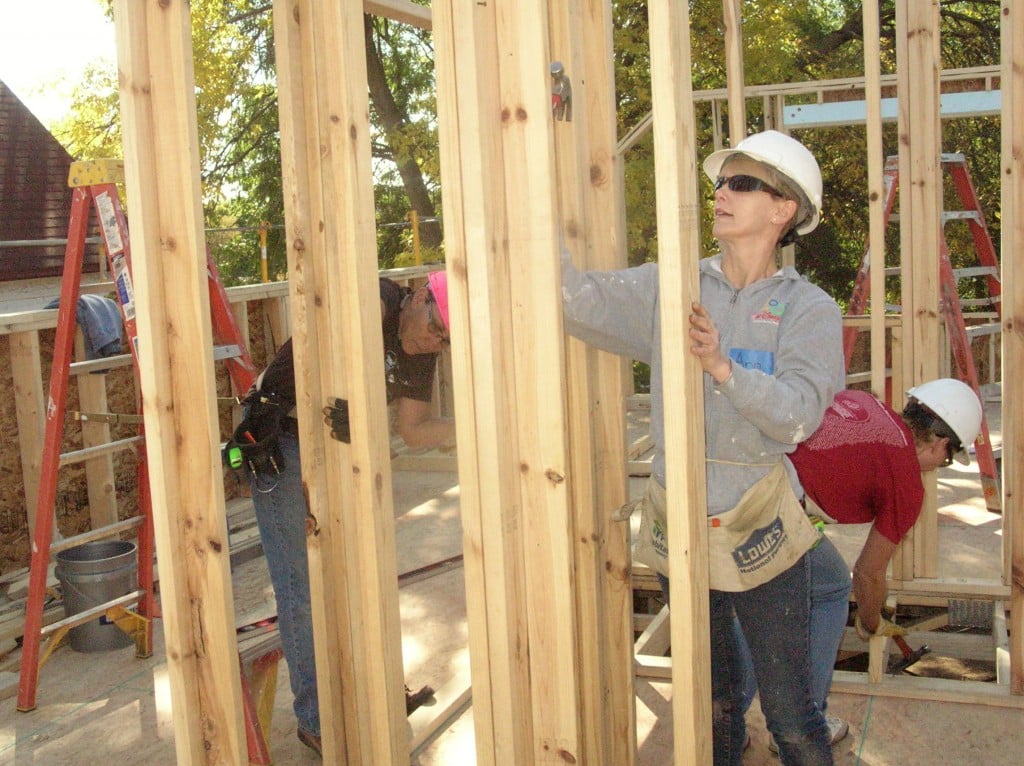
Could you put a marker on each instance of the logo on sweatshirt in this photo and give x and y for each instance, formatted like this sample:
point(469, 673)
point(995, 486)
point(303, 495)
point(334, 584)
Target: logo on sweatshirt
point(754, 359)
point(771, 313)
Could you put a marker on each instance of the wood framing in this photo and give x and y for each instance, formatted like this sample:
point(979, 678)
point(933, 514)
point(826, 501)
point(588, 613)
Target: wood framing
point(1013, 315)
point(27, 376)
point(875, 194)
point(158, 112)
point(920, 200)
point(325, 139)
point(678, 211)
point(592, 222)
point(540, 420)
point(732, 19)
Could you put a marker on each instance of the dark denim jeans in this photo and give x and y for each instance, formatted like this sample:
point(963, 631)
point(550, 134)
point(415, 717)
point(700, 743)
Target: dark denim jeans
point(281, 516)
point(775, 619)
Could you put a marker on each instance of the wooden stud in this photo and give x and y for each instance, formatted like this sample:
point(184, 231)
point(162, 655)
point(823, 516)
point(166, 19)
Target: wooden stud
point(876, 195)
point(539, 373)
point(332, 253)
point(678, 211)
point(99, 471)
point(477, 261)
point(920, 200)
point(29, 406)
point(590, 189)
point(158, 112)
point(732, 17)
point(1012, 85)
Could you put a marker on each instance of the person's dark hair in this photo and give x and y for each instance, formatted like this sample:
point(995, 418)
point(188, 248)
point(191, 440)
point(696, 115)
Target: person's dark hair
point(926, 425)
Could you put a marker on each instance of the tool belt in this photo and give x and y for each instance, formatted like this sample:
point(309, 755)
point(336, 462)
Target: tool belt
point(254, 447)
point(763, 536)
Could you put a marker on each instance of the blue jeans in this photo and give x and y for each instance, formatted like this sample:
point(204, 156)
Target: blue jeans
point(830, 606)
point(775, 619)
point(281, 517)
point(746, 683)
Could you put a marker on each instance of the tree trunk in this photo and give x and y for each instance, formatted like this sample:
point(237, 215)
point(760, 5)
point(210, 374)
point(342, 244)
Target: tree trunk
point(392, 120)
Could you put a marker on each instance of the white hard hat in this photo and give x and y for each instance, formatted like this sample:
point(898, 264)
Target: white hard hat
point(786, 155)
point(959, 407)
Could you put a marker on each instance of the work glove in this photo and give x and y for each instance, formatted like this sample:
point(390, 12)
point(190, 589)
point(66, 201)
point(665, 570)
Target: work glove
point(336, 416)
point(885, 628)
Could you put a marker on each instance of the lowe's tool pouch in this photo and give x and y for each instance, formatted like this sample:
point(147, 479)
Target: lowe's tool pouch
point(257, 437)
point(651, 545)
point(763, 536)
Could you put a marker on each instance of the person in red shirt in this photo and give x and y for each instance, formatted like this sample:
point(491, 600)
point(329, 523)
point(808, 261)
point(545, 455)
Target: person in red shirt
point(864, 465)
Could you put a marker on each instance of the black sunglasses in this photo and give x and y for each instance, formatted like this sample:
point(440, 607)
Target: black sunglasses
point(742, 183)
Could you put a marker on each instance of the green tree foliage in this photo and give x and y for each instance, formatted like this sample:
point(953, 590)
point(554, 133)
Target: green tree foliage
point(793, 41)
point(784, 41)
point(236, 101)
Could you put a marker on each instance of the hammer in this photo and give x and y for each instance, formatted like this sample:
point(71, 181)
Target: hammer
point(910, 656)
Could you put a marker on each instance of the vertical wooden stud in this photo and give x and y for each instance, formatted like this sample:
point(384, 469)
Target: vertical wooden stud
point(678, 211)
point(477, 262)
point(918, 66)
point(158, 112)
point(592, 221)
point(876, 194)
point(29, 405)
point(331, 237)
point(1012, 86)
point(732, 16)
point(99, 471)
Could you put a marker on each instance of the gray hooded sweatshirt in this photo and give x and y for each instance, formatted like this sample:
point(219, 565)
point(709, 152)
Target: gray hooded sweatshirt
point(783, 334)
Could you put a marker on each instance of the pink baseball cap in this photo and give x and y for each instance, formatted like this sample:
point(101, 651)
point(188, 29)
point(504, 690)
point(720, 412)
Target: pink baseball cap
point(438, 282)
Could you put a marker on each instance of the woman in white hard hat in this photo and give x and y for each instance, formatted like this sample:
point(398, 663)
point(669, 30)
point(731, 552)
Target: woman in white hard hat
point(864, 465)
point(770, 344)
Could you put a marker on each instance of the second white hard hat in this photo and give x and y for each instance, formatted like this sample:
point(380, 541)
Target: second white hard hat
point(959, 407)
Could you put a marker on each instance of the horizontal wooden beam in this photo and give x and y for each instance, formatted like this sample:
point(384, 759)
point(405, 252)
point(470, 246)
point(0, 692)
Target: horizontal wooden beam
point(400, 10)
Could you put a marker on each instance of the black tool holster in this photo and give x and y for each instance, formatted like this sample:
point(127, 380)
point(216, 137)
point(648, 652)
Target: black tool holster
point(257, 437)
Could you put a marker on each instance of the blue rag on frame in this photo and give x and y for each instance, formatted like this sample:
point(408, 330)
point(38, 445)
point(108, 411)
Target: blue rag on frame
point(100, 320)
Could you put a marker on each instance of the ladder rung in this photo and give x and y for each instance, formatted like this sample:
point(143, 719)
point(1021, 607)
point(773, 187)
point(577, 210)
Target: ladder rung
point(111, 530)
point(981, 330)
point(91, 613)
point(976, 271)
point(110, 418)
point(81, 455)
point(103, 363)
point(261, 642)
point(961, 215)
point(231, 351)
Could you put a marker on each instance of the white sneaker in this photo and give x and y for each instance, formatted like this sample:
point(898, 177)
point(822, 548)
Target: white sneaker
point(837, 729)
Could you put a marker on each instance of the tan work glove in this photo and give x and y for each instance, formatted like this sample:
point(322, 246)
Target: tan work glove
point(885, 628)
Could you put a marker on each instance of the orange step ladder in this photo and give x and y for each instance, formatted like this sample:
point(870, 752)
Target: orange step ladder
point(95, 190)
point(950, 305)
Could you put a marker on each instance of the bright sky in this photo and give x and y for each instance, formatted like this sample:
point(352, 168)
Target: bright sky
point(45, 46)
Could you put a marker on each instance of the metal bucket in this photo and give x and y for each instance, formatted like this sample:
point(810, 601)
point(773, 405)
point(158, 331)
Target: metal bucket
point(91, 574)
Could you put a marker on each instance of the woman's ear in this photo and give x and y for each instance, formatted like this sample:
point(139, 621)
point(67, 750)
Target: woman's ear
point(787, 209)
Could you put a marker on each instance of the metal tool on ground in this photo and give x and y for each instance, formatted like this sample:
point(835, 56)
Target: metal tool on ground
point(910, 656)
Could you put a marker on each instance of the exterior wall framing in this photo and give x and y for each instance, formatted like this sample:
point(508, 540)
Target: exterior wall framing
point(504, 208)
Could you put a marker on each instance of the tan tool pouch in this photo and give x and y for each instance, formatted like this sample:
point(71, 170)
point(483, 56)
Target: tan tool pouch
point(763, 536)
point(651, 545)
